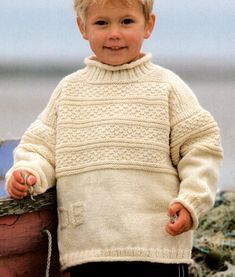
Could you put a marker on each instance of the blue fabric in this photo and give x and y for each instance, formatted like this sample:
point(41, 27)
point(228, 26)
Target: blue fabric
point(6, 161)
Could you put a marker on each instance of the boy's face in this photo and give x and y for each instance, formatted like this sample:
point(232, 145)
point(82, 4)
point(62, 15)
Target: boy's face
point(116, 31)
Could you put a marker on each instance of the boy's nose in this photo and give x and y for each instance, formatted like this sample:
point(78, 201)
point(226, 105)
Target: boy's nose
point(114, 33)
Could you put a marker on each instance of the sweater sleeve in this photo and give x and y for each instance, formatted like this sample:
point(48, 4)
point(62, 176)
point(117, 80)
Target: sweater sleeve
point(195, 150)
point(36, 150)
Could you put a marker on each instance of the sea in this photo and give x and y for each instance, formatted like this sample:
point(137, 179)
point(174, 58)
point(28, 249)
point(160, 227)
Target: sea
point(40, 44)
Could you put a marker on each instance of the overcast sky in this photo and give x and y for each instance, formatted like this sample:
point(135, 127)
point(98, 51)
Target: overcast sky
point(47, 28)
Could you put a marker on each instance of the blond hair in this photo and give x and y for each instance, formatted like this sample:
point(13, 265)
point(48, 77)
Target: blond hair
point(81, 6)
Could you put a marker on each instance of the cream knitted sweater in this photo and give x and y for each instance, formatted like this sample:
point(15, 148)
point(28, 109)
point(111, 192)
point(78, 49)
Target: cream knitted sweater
point(122, 143)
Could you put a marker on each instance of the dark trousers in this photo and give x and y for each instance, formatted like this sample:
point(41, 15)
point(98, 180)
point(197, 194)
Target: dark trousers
point(129, 269)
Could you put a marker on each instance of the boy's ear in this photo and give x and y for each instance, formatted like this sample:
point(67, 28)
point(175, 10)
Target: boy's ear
point(149, 26)
point(82, 28)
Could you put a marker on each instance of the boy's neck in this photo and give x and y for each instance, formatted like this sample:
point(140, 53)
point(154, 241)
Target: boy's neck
point(141, 55)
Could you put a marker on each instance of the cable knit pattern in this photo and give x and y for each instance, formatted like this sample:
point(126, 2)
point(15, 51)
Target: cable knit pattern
point(123, 142)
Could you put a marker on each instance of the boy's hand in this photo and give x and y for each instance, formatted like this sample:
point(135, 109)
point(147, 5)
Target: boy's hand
point(181, 220)
point(18, 185)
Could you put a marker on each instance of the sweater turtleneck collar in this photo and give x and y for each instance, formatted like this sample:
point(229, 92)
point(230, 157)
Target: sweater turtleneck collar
point(97, 72)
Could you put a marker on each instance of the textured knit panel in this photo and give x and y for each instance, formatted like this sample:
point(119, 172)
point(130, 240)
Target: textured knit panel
point(191, 125)
point(113, 126)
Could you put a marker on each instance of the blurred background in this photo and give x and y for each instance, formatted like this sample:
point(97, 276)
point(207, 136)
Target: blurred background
point(40, 44)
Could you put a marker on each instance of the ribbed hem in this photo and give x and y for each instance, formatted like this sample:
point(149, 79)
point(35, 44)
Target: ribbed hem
point(167, 256)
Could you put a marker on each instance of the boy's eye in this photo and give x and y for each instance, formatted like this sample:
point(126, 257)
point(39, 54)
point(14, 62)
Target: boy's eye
point(127, 21)
point(100, 22)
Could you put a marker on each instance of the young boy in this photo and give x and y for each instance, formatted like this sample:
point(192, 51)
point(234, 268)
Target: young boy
point(134, 156)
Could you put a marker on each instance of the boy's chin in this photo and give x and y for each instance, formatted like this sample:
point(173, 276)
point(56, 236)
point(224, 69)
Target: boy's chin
point(119, 62)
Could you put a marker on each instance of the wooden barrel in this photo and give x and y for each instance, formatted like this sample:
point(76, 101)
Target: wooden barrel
point(28, 230)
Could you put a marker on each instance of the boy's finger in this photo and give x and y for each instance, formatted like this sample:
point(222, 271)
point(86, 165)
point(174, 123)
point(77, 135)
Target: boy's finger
point(24, 177)
point(177, 225)
point(16, 193)
point(19, 187)
point(31, 180)
point(173, 213)
point(174, 230)
point(12, 195)
point(18, 176)
point(174, 209)
point(171, 231)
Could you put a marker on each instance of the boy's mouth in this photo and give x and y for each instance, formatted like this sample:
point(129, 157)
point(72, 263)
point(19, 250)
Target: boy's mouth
point(115, 48)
